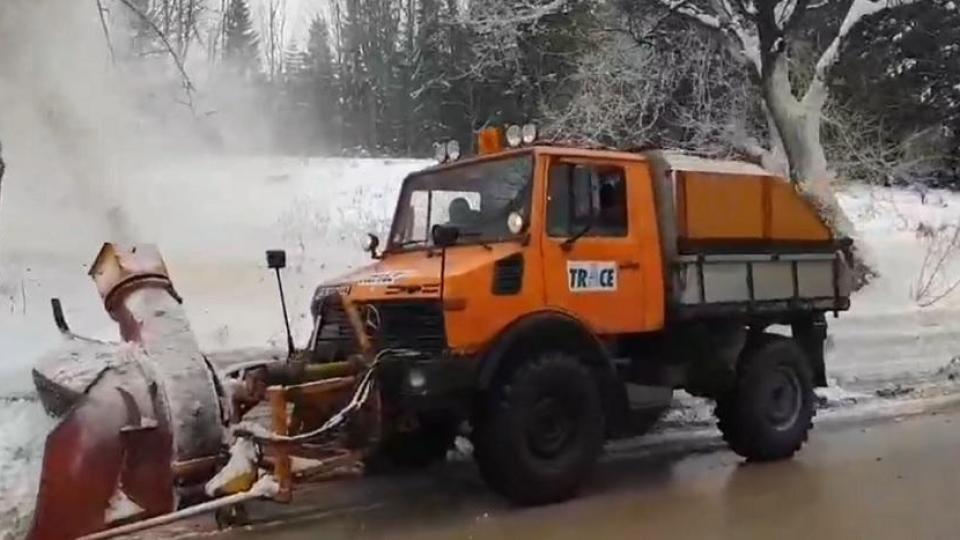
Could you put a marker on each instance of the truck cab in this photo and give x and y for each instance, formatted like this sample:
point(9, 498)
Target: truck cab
point(541, 230)
point(522, 291)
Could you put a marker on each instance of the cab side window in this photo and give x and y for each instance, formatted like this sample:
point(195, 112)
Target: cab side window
point(587, 198)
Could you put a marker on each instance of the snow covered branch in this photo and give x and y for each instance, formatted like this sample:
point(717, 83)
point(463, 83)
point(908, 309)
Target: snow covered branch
point(188, 86)
point(859, 9)
point(727, 19)
point(492, 17)
point(692, 12)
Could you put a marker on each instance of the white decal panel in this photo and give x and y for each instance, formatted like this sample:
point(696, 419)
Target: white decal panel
point(328, 290)
point(592, 276)
point(382, 278)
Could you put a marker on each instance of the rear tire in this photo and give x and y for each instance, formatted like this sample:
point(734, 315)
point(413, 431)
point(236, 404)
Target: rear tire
point(541, 430)
point(769, 413)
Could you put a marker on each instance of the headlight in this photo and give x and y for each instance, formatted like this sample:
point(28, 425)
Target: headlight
point(515, 223)
point(514, 136)
point(453, 150)
point(416, 379)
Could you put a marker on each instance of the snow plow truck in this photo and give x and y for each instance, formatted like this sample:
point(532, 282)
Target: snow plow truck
point(519, 294)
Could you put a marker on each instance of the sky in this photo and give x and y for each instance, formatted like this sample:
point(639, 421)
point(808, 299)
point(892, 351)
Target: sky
point(299, 14)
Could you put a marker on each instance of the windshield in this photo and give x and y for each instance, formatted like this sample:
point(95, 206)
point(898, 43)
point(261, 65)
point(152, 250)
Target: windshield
point(477, 198)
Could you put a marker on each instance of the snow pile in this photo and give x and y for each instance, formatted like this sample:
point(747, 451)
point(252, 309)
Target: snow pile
point(24, 425)
point(890, 330)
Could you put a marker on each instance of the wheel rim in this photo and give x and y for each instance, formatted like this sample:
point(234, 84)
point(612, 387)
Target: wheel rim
point(550, 427)
point(784, 399)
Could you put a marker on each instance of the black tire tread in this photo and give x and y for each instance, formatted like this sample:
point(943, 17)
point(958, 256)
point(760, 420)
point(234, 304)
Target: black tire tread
point(733, 414)
point(498, 465)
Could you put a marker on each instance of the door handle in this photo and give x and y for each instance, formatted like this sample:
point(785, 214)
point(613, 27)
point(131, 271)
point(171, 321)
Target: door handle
point(629, 265)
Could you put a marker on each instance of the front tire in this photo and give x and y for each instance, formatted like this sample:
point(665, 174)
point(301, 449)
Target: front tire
point(769, 413)
point(540, 432)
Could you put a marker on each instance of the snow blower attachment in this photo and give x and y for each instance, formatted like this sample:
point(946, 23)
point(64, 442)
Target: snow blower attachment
point(145, 436)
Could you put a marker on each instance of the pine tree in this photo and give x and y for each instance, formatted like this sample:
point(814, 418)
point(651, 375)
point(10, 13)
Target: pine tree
point(430, 73)
point(241, 47)
point(323, 88)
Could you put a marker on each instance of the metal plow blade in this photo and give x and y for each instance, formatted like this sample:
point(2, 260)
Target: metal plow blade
point(101, 470)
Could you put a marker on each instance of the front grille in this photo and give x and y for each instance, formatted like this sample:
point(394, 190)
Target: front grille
point(335, 338)
point(409, 324)
point(400, 324)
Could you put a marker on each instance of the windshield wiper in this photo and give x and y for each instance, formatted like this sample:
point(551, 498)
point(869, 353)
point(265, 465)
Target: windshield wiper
point(409, 242)
point(569, 242)
point(481, 241)
point(405, 243)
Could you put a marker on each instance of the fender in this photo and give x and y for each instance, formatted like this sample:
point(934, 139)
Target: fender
point(557, 329)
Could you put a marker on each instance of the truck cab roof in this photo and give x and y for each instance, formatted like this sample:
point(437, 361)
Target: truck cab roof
point(676, 160)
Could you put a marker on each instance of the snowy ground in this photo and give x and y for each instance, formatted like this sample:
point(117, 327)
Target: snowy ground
point(214, 217)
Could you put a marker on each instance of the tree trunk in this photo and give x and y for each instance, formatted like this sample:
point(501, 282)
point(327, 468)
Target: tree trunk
point(798, 125)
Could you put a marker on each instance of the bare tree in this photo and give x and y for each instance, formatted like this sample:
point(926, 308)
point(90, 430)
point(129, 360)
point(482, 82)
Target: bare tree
point(178, 20)
point(526, 49)
point(859, 147)
point(758, 32)
point(175, 56)
point(941, 246)
point(630, 95)
point(498, 28)
point(274, 21)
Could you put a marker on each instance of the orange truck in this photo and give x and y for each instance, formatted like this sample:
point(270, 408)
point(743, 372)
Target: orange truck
point(524, 290)
point(521, 296)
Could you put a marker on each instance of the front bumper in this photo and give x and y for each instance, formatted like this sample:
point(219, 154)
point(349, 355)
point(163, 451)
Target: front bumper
point(424, 383)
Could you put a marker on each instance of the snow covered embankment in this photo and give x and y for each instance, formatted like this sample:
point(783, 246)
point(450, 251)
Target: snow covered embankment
point(899, 328)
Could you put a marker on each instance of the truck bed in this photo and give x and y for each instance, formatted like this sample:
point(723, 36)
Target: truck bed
point(737, 238)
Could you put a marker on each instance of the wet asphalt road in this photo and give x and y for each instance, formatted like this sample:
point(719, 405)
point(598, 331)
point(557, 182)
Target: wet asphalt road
point(885, 479)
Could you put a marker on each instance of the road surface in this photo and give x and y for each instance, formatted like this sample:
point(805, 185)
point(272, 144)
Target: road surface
point(880, 479)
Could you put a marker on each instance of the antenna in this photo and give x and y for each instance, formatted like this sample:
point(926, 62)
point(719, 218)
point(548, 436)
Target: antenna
point(277, 259)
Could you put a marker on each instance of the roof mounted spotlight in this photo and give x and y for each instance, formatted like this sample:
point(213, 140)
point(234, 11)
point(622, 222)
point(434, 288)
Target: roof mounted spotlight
point(529, 133)
point(514, 136)
point(453, 150)
point(440, 152)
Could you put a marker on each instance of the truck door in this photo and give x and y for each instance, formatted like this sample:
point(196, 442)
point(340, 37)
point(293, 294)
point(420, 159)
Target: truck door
point(591, 247)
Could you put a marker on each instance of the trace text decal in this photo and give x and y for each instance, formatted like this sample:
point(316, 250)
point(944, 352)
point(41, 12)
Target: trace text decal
point(592, 276)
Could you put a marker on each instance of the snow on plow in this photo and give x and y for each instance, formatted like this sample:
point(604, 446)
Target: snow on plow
point(150, 432)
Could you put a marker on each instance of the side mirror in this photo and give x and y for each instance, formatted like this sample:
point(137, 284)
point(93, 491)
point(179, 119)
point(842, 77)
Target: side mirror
point(276, 259)
point(371, 244)
point(444, 236)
